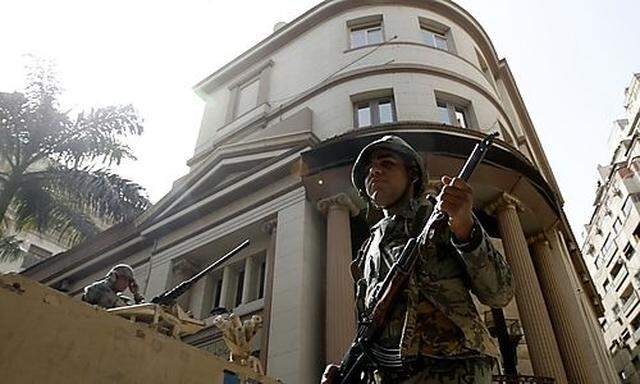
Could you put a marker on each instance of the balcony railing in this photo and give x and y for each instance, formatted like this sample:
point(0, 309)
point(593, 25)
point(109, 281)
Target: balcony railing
point(630, 303)
point(505, 379)
point(622, 275)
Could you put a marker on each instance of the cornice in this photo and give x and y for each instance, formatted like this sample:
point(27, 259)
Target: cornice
point(362, 73)
point(328, 9)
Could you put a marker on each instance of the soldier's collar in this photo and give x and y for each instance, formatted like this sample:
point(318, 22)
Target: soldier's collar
point(407, 210)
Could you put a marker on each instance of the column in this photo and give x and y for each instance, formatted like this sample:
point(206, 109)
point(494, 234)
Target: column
point(296, 337)
point(340, 320)
point(182, 269)
point(603, 364)
point(225, 291)
point(541, 341)
point(270, 229)
point(564, 310)
point(249, 283)
point(201, 296)
point(158, 279)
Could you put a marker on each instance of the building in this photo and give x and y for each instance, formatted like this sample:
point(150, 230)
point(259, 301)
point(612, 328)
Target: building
point(612, 238)
point(282, 125)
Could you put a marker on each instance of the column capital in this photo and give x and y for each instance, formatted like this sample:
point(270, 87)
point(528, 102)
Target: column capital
point(540, 237)
point(340, 200)
point(270, 226)
point(504, 201)
point(184, 266)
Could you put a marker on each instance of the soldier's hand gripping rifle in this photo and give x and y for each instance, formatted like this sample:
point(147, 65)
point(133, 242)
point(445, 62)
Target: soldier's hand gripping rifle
point(370, 323)
point(169, 297)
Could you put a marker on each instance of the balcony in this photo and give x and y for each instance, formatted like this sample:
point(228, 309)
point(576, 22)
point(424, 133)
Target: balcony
point(630, 303)
point(505, 379)
point(620, 278)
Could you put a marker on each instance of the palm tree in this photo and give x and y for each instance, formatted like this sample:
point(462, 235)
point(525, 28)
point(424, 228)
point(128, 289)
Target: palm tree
point(54, 174)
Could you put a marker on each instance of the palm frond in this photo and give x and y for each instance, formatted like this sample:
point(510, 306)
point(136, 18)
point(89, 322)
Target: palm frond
point(97, 135)
point(39, 208)
point(10, 249)
point(100, 192)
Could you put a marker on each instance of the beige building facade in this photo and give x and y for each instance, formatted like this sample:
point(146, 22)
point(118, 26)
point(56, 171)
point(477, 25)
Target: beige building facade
point(282, 125)
point(612, 238)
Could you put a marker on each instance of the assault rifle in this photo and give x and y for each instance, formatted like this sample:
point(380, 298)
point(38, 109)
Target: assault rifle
point(169, 297)
point(353, 365)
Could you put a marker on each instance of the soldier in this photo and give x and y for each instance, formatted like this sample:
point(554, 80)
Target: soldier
point(433, 333)
point(105, 292)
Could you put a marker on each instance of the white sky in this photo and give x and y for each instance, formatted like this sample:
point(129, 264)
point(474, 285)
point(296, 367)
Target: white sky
point(571, 59)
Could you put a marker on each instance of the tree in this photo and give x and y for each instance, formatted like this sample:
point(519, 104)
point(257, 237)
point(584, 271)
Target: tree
point(54, 165)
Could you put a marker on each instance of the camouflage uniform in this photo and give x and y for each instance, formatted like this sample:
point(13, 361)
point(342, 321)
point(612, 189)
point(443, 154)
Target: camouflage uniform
point(434, 328)
point(102, 292)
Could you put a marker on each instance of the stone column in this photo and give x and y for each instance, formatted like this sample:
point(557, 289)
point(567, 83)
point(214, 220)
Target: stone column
point(201, 296)
point(541, 341)
point(563, 307)
point(227, 281)
point(340, 320)
point(270, 229)
point(248, 291)
point(182, 269)
point(592, 340)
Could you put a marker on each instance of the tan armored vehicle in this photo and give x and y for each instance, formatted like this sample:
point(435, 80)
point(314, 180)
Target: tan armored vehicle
point(48, 337)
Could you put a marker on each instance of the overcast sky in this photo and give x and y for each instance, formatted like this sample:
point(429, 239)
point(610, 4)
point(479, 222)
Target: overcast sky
point(571, 59)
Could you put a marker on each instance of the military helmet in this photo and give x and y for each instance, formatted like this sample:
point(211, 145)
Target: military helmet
point(394, 144)
point(121, 270)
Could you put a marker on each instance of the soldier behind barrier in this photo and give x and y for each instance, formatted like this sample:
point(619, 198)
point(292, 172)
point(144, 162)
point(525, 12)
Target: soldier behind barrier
point(106, 292)
point(433, 334)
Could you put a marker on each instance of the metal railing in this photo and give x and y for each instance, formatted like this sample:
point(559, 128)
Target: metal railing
point(631, 301)
point(622, 275)
point(507, 379)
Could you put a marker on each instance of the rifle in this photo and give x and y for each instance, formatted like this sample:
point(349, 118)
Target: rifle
point(170, 296)
point(352, 365)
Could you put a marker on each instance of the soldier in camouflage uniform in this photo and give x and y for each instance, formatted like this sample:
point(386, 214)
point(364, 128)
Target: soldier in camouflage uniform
point(105, 292)
point(434, 333)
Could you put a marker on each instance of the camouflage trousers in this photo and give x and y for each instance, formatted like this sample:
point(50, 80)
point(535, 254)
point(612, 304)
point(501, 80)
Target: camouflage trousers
point(438, 371)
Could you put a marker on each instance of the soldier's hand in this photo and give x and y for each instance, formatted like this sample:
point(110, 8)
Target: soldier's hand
point(456, 199)
point(330, 374)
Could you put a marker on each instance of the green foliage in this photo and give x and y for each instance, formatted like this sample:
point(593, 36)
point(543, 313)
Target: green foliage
point(54, 174)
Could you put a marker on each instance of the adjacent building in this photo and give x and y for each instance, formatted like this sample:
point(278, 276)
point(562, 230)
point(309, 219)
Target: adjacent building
point(612, 237)
point(282, 125)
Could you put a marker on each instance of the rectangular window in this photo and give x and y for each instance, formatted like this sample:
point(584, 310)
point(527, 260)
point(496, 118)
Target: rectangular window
point(461, 119)
point(263, 273)
point(617, 224)
point(607, 246)
point(606, 285)
point(435, 34)
point(374, 112)
point(443, 113)
point(454, 113)
point(239, 287)
point(626, 207)
point(247, 97)
point(434, 39)
point(628, 251)
point(216, 301)
point(365, 31)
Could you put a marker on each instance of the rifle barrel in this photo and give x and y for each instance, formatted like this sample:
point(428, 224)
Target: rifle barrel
point(172, 294)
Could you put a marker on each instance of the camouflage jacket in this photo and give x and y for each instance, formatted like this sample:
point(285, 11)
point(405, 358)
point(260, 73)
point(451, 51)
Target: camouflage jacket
point(101, 294)
point(436, 316)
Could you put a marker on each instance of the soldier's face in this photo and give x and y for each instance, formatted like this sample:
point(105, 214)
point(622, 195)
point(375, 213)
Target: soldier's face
point(387, 178)
point(121, 284)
